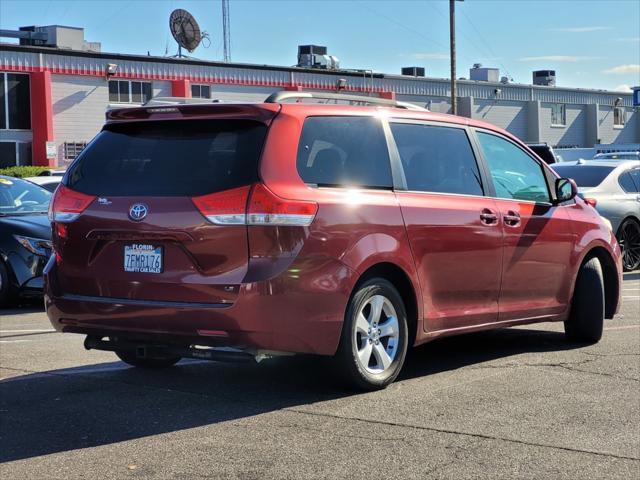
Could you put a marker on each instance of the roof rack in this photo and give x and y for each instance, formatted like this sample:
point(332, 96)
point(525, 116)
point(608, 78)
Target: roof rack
point(281, 97)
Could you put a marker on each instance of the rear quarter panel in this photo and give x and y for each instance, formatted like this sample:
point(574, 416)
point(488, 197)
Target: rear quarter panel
point(358, 228)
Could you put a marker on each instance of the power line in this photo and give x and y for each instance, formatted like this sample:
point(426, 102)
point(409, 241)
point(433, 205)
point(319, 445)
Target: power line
point(490, 50)
point(406, 27)
point(470, 40)
point(410, 29)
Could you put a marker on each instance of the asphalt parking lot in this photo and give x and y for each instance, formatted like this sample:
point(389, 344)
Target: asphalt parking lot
point(512, 403)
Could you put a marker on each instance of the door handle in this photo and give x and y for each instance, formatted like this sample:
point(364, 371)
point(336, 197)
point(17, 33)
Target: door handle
point(638, 198)
point(488, 217)
point(511, 218)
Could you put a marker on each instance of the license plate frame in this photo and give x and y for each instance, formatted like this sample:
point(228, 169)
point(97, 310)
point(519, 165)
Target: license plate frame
point(143, 258)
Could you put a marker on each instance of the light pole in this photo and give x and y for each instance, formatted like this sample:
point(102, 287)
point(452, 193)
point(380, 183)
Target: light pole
point(452, 43)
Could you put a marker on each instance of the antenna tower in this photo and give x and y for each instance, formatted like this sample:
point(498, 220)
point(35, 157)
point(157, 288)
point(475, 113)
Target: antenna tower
point(226, 31)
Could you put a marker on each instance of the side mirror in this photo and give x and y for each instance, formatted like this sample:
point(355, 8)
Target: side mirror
point(566, 189)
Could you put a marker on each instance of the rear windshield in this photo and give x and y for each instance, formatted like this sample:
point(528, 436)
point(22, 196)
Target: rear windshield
point(584, 175)
point(169, 158)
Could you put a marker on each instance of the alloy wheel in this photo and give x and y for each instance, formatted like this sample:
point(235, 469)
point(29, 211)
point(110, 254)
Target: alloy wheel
point(376, 335)
point(629, 240)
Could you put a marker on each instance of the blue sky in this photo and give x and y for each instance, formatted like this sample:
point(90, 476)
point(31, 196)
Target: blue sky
point(591, 43)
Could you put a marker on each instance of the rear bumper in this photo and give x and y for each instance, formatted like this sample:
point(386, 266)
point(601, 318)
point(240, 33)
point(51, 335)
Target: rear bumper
point(300, 315)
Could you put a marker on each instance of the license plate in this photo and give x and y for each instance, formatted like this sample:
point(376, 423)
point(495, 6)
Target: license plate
point(142, 258)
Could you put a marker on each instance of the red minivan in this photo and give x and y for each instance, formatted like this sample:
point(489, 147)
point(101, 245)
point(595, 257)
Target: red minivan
point(333, 225)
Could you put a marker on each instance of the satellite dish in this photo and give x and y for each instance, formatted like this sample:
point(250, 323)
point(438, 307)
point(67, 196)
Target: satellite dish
point(185, 30)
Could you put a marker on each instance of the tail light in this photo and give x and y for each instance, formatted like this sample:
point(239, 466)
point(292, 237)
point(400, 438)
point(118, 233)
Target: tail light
point(266, 208)
point(224, 208)
point(255, 205)
point(67, 205)
point(591, 201)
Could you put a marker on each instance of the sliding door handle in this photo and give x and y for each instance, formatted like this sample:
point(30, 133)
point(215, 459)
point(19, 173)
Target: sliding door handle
point(488, 217)
point(511, 218)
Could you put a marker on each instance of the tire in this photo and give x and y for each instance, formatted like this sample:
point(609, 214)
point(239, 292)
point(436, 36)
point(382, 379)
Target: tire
point(374, 337)
point(586, 319)
point(7, 290)
point(131, 358)
point(629, 239)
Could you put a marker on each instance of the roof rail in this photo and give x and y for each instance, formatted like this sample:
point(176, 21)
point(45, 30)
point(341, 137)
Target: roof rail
point(280, 97)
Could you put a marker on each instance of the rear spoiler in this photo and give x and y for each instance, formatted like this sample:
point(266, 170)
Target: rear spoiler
point(259, 112)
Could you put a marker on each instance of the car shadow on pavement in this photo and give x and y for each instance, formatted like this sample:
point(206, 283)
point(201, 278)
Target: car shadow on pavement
point(100, 404)
point(33, 307)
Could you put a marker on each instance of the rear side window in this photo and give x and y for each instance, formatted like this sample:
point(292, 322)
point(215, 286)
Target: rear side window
point(584, 175)
point(169, 158)
point(437, 159)
point(344, 151)
point(635, 176)
point(627, 183)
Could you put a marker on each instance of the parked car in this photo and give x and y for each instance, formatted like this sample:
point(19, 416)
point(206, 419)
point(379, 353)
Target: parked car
point(613, 188)
point(48, 182)
point(353, 231)
point(544, 151)
point(25, 238)
point(617, 156)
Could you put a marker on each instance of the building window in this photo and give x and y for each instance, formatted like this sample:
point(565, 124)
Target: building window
point(15, 101)
point(558, 114)
point(201, 91)
point(129, 91)
point(15, 153)
point(619, 116)
point(73, 149)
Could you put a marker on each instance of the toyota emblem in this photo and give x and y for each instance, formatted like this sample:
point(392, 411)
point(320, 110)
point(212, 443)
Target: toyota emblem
point(138, 211)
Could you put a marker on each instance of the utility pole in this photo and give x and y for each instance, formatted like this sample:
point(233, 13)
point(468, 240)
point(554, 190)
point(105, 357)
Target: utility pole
point(452, 42)
point(226, 31)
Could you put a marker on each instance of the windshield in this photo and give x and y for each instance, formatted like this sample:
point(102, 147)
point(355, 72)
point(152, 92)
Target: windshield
point(584, 175)
point(18, 197)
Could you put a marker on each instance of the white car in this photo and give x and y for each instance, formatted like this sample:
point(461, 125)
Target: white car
point(49, 179)
point(613, 188)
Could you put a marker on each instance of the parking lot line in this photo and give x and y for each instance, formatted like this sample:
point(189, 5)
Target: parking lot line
point(625, 327)
point(25, 330)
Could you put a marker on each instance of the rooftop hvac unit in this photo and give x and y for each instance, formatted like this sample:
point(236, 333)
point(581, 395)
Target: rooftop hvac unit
point(413, 71)
point(480, 74)
point(315, 56)
point(546, 78)
point(59, 36)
